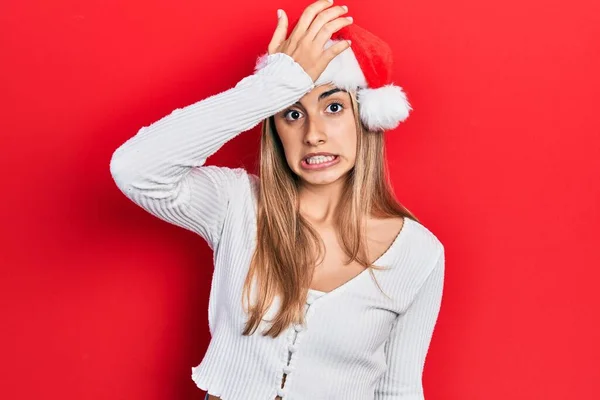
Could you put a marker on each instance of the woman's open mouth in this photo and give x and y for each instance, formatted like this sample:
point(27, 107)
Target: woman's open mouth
point(319, 162)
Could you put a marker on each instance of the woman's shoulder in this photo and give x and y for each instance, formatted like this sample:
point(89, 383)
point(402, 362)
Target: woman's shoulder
point(423, 234)
point(254, 182)
point(406, 226)
point(412, 237)
point(253, 187)
point(238, 182)
point(410, 260)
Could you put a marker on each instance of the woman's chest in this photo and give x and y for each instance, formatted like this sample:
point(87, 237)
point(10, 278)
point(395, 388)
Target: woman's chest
point(350, 321)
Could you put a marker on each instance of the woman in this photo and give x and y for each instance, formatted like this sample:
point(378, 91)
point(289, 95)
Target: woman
point(292, 246)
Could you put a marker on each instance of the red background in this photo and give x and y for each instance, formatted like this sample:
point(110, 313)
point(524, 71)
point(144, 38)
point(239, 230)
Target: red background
point(500, 159)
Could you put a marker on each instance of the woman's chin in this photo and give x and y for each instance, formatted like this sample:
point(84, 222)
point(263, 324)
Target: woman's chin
point(320, 177)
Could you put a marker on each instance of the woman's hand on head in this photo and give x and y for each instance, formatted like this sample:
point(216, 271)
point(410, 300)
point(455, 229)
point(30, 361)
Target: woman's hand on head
point(306, 42)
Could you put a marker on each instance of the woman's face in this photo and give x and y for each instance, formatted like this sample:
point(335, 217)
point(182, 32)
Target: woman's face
point(321, 123)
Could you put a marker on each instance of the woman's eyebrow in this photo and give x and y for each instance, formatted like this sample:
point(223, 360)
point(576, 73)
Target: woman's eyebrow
point(330, 92)
point(325, 94)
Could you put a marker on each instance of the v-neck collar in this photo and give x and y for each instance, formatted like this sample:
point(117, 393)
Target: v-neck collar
point(315, 294)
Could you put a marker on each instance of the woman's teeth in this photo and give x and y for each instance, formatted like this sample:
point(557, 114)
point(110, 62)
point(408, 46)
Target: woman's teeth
point(319, 159)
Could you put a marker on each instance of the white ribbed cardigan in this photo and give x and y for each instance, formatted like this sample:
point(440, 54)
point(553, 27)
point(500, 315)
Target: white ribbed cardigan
point(356, 344)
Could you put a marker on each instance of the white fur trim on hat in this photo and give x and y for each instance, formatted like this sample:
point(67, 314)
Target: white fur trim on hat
point(383, 108)
point(261, 62)
point(343, 71)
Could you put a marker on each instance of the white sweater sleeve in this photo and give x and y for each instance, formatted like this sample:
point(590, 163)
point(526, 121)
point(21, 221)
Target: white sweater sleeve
point(161, 168)
point(409, 341)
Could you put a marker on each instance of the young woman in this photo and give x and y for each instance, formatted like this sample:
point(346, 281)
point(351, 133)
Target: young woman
point(342, 282)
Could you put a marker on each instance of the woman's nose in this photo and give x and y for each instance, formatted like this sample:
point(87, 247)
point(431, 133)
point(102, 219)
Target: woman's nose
point(315, 134)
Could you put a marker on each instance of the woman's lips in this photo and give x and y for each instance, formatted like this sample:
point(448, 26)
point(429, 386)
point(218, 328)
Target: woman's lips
point(322, 165)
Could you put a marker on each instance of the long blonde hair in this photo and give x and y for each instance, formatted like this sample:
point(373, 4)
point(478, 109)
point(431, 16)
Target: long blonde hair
point(288, 247)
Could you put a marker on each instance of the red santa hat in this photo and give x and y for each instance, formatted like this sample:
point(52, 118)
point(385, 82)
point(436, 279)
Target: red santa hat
point(366, 67)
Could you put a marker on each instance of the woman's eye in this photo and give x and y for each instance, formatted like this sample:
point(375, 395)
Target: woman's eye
point(294, 115)
point(335, 107)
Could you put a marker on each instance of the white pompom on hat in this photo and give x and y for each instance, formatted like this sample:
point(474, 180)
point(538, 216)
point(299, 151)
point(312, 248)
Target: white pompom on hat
point(367, 68)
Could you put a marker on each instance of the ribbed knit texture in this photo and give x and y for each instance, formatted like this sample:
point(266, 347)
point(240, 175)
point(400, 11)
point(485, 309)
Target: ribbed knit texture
point(357, 344)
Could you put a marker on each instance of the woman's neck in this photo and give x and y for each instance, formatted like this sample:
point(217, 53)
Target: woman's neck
point(318, 203)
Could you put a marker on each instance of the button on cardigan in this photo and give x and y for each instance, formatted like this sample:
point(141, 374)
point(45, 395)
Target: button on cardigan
point(357, 344)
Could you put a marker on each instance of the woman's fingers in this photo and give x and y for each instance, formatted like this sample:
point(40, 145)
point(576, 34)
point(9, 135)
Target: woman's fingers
point(332, 52)
point(329, 54)
point(306, 42)
point(280, 32)
point(323, 18)
point(307, 17)
point(330, 28)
